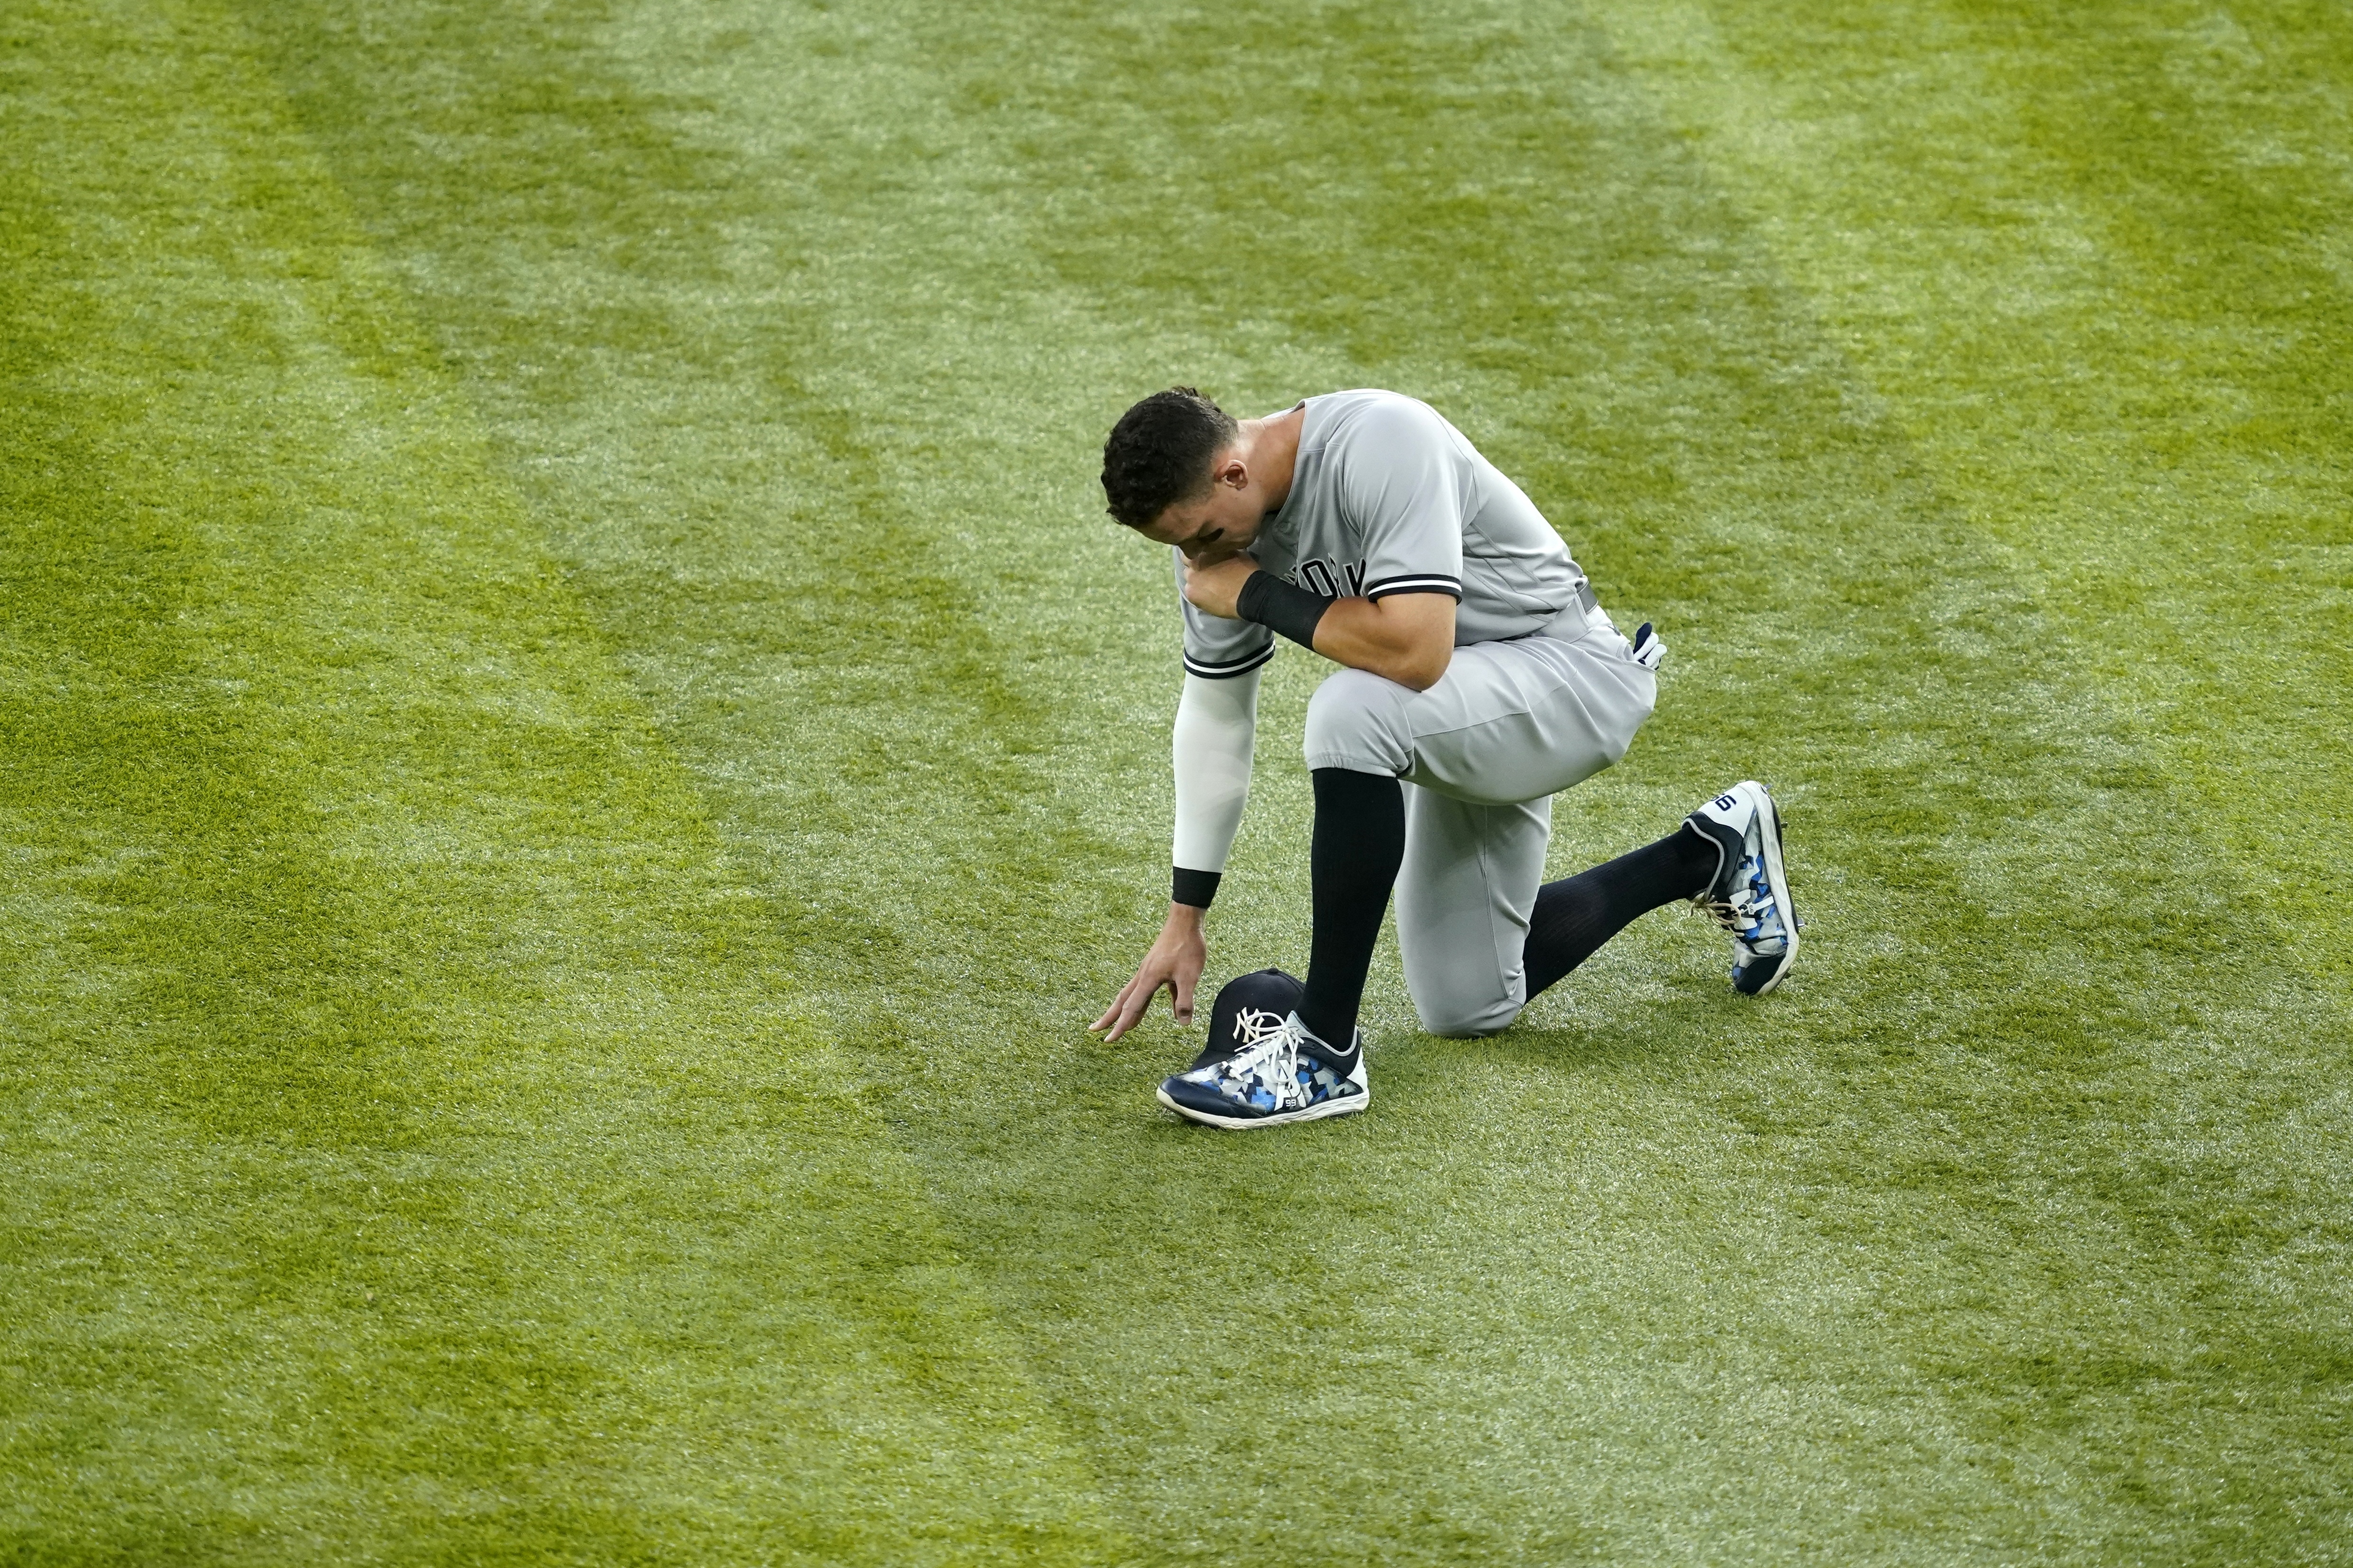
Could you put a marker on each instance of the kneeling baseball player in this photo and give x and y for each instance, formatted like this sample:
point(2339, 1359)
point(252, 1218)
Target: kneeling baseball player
point(1479, 678)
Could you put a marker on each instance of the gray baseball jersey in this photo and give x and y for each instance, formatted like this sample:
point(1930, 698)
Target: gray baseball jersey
point(1388, 497)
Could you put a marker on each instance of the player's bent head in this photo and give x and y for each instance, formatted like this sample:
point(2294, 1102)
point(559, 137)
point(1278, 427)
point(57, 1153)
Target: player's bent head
point(1160, 454)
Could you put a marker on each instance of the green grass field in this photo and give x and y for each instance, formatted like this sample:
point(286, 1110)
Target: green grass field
point(576, 752)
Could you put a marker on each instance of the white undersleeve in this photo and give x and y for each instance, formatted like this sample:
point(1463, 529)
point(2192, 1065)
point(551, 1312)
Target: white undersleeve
point(1215, 722)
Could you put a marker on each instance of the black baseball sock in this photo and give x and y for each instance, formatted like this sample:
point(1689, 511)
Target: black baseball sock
point(1359, 844)
point(1576, 915)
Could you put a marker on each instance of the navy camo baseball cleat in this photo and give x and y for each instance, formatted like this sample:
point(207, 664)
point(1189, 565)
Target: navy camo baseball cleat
point(1263, 1066)
point(1750, 895)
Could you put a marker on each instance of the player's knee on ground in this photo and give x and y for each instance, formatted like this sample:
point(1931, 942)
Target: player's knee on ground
point(1356, 720)
point(1463, 1017)
point(1461, 990)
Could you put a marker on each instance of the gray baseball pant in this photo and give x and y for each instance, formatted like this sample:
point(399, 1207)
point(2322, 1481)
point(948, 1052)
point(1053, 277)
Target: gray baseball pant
point(1482, 752)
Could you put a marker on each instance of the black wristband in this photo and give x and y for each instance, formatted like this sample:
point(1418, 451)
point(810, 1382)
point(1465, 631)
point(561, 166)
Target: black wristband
point(1193, 888)
point(1281, 606)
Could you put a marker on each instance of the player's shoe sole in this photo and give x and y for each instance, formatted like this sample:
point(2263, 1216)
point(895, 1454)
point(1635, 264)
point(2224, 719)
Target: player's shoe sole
point(1777, 876)
point(1206, 1118)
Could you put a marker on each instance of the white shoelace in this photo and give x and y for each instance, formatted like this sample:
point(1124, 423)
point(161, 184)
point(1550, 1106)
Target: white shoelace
point(1734, 914)
point(1269, 1055)
point(1743, 913)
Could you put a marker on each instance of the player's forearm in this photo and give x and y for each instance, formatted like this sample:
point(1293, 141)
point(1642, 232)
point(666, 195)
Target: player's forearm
point(1401, 638)
point(1407, 636)
point(1210, 747)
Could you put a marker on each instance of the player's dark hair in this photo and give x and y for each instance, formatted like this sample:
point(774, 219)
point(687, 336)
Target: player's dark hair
point(1159, 452)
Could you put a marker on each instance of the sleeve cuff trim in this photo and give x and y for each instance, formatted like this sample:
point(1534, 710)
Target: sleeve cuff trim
point(1227, 671)
point(1427, 583)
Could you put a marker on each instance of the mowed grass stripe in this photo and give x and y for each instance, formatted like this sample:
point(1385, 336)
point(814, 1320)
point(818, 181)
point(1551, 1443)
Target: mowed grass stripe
point(2109, 322)
point(1859, 1229)
point(413, 1152)
point(2088, 259)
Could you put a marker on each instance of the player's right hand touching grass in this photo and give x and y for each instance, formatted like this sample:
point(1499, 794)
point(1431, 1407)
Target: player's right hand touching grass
point(1175, 961)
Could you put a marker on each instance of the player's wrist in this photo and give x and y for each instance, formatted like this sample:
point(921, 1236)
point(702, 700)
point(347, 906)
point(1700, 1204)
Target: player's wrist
point(1282, 607)
point(1190, 891)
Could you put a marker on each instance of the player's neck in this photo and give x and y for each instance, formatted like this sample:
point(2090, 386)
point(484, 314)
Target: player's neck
point(1271, 449)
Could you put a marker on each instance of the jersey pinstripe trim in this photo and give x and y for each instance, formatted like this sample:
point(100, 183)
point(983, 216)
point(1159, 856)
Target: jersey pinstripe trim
point(1231, 667)
point(1415, 583)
